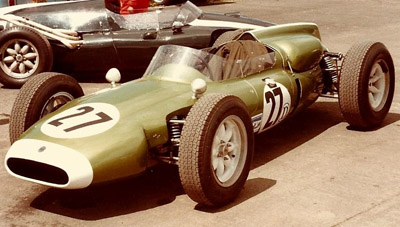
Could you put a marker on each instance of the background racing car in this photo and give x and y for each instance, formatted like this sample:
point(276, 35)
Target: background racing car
point(87, 38)
point(198, 109)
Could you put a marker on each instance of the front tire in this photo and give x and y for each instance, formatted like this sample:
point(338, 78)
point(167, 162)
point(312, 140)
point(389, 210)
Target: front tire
point(216, 149)
point(23, 54)
point(366, 84)
point(40, 96)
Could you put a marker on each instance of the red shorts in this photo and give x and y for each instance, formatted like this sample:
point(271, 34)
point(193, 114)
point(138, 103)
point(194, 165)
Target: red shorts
point(137, 5)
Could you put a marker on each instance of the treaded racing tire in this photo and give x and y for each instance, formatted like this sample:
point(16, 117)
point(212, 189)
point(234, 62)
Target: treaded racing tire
point(39, 96)
point(202, 152)
point(23, 54)
point(366, 84)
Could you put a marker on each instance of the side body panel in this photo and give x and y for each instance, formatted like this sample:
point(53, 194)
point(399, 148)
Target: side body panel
point(300, 49)
point(298, 43)
point(69, 15)
point(97, 55)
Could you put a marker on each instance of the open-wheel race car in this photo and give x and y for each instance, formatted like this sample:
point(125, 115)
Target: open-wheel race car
point(198, 109)
point(86, 38)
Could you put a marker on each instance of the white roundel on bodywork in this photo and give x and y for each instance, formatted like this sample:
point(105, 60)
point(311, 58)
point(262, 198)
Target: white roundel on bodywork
point(276, 106)
point(82, 121)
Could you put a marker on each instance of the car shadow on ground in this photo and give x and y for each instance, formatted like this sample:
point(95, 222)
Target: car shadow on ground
point(162, 185)
point(4, 119)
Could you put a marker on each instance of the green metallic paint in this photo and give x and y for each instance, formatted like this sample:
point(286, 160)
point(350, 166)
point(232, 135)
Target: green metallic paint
point(145, 104)
point(299, 42)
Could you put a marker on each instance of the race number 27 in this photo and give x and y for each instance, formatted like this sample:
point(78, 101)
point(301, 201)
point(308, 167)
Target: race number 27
point(85, 110)
point(276, 105)
point(81, 121)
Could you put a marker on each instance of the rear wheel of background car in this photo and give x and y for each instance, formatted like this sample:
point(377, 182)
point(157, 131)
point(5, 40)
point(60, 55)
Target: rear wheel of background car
point(216, 149)
point(366, 84)
point(40, 96)
point(23, 54)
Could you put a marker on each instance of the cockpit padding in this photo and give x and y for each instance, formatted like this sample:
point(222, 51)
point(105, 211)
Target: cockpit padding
point(241, 58)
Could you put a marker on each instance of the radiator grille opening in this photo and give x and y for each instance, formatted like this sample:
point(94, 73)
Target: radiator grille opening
point(38, 171)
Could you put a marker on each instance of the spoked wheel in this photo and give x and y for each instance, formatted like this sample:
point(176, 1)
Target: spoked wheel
point(41, 95)
point(216, 149)
point(366, 85)
point(229, 150)
point(23, 54)
point(20, 58)
point(378, 85)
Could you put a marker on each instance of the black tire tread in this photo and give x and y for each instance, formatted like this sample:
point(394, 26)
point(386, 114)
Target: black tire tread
point(348, 86)
point(26, 100)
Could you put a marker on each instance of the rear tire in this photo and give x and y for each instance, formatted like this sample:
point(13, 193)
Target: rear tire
point(216, 149)
point(23, 54)
point(40, 96)
point(366, 84)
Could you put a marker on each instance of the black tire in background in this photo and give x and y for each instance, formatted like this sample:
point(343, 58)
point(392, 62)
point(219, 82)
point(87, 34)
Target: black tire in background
point(213, 165)
point(366, 84)
point(39, 96)
point(23, 54)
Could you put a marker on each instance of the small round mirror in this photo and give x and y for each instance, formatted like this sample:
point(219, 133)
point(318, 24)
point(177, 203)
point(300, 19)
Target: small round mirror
point(113, 76)
point(199, 86)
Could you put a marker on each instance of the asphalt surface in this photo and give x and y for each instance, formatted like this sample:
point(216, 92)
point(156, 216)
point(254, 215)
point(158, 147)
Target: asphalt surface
point(310, 171)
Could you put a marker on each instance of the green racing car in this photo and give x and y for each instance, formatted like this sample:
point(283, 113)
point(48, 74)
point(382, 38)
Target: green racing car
point(198, 109)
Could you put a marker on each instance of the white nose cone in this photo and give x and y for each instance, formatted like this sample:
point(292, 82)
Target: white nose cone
point(113, 76)
point(48, 164)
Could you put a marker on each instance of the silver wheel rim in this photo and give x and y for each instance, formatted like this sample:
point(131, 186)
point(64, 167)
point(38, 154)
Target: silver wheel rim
point(55, 101)
point(19, 58)
point(229, 150)
point(158, 1)
point(378, 86)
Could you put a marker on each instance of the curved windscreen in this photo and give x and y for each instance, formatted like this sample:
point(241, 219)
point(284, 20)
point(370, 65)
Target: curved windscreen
point(231, 60)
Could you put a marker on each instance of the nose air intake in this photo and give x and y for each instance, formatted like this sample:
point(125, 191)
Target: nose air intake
point(38, 171)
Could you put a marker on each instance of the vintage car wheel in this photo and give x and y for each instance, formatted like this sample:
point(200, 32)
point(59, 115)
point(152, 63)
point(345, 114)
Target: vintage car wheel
point(366, 84)
point(40, 96)
point(23, 54)
point(216, 149)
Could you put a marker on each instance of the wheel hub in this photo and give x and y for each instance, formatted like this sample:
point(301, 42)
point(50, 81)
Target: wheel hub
point(228, 148)
point(19, 58)
point(224, 149)
point(377, 86)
